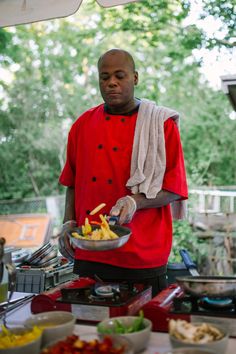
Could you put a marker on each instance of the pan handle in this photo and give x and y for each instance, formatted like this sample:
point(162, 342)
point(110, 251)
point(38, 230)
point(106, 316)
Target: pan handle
point(113, 220)
point(188, 261)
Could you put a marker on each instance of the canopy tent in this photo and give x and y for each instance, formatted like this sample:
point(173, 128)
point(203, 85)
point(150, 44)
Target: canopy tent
point(15, 12)
point(228, 83)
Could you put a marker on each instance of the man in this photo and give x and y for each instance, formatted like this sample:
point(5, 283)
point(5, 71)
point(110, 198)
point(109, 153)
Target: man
point(126, 153)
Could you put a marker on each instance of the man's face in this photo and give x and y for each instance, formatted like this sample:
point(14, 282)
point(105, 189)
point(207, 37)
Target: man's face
point(117, 79)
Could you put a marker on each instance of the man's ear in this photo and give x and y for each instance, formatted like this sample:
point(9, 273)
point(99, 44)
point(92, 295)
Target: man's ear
point(135, 78)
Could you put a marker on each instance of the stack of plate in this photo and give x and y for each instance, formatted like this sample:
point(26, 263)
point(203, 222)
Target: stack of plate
point(44, 257)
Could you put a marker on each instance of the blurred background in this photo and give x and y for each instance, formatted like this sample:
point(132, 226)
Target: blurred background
point(183, 52)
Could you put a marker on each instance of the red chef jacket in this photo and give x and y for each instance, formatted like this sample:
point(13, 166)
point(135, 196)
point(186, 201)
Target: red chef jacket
point(98, 167)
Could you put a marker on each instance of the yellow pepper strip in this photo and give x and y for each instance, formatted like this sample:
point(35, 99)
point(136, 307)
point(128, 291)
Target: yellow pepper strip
point(87, 227)
point(97, 209)
point(105, 233)
point(104, 222)
point(76, 235)
point(83, 230)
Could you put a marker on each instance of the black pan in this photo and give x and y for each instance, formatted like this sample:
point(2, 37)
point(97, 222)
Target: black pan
point(212, 286)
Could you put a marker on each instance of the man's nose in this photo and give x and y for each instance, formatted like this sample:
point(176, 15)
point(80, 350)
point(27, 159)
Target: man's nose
point(112, 81)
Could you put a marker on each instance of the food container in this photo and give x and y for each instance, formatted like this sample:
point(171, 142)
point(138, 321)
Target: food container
point(197, 285)
point(101, 245)
point(216, 346)
point(116, 342)
point(189, 350)
point(138, 338)
point(31, 347)
point(37, 280)
point(55, 324)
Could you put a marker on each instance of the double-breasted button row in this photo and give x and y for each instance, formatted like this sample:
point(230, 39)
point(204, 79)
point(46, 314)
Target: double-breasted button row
point(100, 147)
point(109, 181)
point(109, 118)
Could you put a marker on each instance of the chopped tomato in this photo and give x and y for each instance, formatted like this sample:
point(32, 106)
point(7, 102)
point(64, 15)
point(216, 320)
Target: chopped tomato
point(74, 345)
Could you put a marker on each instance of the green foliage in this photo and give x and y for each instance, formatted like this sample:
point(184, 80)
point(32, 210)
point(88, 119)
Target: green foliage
point(185, 238)
point(4, 39)
point(225, 11)
point(52, 65)
point(209, 162)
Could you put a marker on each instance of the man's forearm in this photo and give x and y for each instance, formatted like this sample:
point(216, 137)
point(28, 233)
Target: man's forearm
point(163, 198)
point(69, 205)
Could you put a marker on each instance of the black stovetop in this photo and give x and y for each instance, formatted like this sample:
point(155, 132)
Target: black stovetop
point(118, 294)
point(205, 306)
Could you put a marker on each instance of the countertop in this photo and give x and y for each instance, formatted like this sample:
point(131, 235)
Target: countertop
point(158, 344)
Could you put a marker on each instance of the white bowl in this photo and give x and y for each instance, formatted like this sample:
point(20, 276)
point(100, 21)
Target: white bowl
point(216, 346)
point(32, 347)
point(189, 350)
point(55, 324)
point(139, 338)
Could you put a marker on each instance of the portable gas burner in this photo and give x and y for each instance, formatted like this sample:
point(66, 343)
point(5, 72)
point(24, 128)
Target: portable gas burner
point(172, 303)
point(92, 301)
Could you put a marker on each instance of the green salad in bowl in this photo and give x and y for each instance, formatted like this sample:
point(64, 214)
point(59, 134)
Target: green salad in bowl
point(135, 328)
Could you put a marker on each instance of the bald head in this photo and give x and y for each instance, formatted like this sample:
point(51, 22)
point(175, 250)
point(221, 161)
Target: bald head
point(123, 54)
point(117, 78)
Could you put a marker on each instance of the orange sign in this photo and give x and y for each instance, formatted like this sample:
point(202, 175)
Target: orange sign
point(25, 230)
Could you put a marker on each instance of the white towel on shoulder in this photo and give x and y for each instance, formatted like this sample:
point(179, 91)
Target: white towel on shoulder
point(148, 161)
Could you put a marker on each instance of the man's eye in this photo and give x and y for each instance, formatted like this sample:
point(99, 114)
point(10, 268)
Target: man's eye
point(120, 76)
point(104, 77)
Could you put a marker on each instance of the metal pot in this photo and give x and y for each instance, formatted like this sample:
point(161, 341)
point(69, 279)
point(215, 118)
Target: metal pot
point(197, 285)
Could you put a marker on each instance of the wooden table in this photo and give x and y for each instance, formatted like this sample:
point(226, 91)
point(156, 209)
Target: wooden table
point(158, 344)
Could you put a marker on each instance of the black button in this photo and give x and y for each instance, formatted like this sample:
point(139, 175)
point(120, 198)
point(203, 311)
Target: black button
point(109, 181)
point(122, 119)
point(107, 118)
point(115, 148)
point(88, 212)
point(100, 146)
point(94, 179)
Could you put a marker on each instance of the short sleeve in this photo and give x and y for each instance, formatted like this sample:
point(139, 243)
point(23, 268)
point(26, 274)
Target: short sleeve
point(175, 176)
point(67, 177)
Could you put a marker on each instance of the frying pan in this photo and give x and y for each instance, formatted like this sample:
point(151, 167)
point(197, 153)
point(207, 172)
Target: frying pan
point(197, 285)
point(101, 245)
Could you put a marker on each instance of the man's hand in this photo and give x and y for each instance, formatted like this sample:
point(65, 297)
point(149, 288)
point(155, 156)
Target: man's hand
point(125, 208)
point(64, 244)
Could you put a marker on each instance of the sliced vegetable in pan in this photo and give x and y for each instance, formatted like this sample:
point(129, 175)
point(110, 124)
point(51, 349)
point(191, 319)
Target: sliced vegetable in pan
point(103, 232)
point(97, 209)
